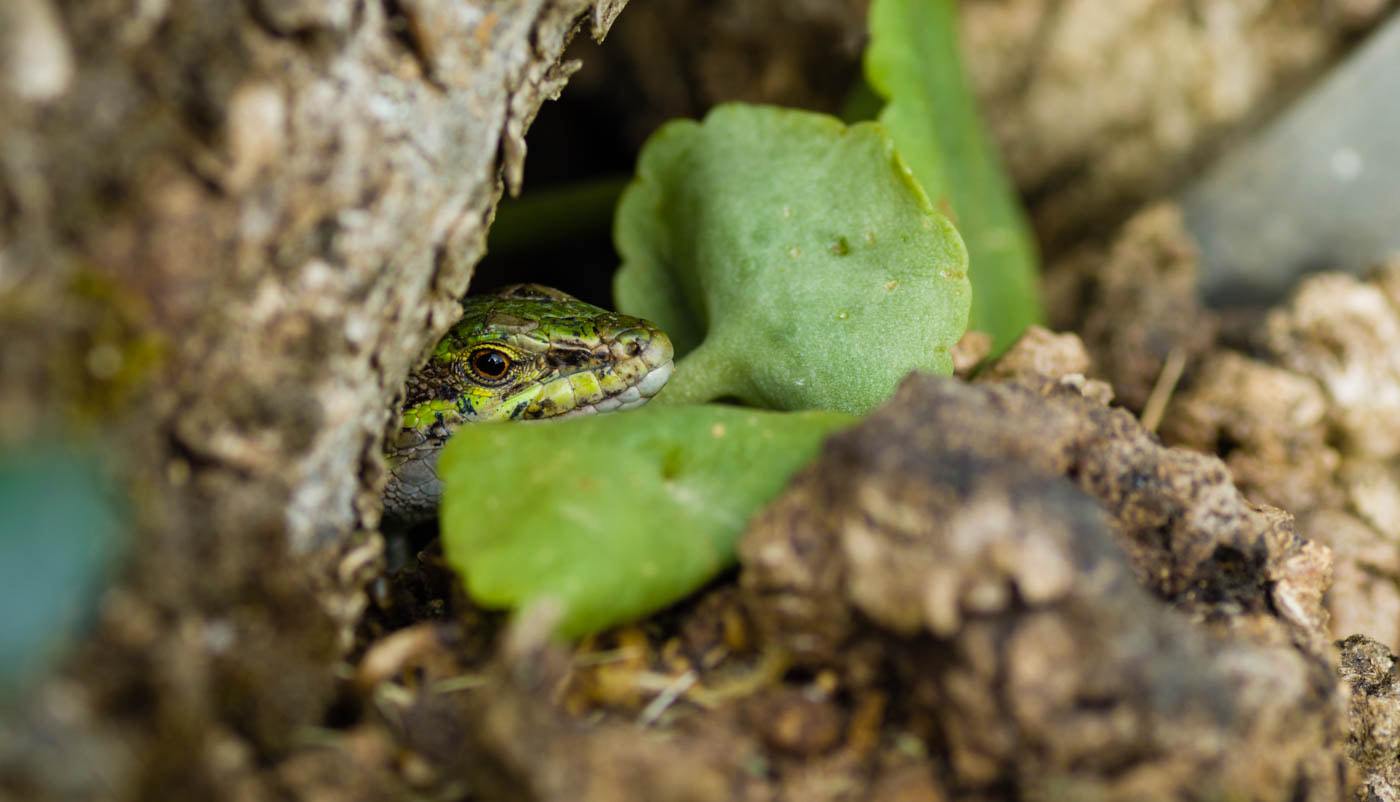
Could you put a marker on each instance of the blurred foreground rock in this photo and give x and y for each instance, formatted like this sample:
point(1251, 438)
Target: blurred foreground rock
point(954, 539)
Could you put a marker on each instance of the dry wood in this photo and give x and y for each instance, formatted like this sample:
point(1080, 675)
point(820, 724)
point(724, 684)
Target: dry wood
point(227, 231)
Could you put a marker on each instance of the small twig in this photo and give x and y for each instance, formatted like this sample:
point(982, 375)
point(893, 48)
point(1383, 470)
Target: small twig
point(461, 682)
point(772, 664)
point(1161, 394)
point(666, 698)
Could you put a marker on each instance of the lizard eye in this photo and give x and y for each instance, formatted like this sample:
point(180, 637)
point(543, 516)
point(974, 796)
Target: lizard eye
point(488, 363)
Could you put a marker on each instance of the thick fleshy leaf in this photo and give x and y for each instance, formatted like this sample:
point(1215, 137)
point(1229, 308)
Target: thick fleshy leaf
point(613, 516)
point(912, 61)
point(60, 532)
point(793, 261)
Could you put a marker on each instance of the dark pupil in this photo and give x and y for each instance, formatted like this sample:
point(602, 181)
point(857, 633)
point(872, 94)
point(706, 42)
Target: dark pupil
point(490, 364)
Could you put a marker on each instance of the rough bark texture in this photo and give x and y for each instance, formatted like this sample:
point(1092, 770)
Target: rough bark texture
point(227, 231)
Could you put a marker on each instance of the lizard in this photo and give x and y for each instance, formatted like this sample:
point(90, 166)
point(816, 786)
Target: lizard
point(523, 352)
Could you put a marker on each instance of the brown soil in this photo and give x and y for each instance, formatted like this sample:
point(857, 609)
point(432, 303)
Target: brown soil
point(1151, 557)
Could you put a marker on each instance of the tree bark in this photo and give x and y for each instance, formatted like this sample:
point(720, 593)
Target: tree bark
point(227, 232)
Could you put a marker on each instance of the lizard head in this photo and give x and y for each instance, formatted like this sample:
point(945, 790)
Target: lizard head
point(527, 352)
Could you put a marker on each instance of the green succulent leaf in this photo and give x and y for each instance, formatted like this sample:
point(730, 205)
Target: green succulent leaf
point(613, 516)
point(61, 530)
point(793, 260)
point(912, 61)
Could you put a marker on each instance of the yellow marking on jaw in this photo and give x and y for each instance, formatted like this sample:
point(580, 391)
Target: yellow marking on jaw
point(587, 388)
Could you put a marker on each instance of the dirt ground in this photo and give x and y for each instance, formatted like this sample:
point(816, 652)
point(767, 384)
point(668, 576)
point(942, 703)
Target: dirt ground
point(1150, 552)
point(1002, 587)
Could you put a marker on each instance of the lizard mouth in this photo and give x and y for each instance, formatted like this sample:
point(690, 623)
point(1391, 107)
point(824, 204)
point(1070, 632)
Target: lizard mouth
point(632, 397)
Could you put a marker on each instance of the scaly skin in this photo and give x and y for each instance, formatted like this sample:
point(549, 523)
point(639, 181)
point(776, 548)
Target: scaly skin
point(521, 353)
